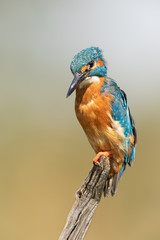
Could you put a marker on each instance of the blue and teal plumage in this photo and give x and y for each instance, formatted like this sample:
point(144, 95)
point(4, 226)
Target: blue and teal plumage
point(121, 113)
point(84, 57)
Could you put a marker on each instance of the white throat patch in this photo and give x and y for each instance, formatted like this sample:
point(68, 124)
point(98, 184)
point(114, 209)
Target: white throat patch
point(88, 81)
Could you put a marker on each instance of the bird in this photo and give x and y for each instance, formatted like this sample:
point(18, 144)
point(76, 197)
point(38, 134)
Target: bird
point(102, 110)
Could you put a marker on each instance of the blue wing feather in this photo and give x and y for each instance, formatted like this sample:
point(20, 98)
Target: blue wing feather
point(121, 113)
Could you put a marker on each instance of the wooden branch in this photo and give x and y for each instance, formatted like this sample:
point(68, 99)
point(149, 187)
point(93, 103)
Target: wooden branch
point(87, 199)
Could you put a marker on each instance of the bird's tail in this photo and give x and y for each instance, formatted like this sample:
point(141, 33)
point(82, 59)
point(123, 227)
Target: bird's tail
point(111, 185)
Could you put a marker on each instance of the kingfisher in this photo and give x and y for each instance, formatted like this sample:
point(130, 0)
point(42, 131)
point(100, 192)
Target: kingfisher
point(101, 108)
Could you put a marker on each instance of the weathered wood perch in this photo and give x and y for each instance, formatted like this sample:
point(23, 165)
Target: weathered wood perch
point(86, 202)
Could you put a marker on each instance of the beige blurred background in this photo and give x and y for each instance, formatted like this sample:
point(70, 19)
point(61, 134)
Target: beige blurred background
point(44, 153)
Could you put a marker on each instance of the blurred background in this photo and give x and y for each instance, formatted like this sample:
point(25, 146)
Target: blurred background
point(45, 155)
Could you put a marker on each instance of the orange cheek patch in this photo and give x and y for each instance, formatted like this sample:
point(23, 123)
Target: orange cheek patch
point(99, 63)
point(83, 69)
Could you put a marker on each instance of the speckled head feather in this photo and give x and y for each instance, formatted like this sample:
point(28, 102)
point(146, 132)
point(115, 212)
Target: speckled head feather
point(84, 57)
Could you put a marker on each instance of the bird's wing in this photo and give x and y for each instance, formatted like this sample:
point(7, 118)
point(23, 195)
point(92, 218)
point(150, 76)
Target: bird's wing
point(121, 113)
point(131, 129)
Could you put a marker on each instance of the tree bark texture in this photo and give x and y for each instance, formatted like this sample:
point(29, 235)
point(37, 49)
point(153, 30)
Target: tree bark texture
point(86, 202)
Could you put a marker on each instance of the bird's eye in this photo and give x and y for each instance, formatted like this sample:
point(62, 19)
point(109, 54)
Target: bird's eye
point(91, 63)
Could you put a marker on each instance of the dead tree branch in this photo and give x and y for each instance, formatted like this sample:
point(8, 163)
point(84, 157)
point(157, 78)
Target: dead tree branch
point(87, 199)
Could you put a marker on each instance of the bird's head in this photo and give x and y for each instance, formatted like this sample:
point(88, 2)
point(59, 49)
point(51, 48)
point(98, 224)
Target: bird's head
point(86, 64)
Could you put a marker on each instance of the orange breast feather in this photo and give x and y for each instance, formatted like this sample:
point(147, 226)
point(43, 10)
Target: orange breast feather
point(93, 112)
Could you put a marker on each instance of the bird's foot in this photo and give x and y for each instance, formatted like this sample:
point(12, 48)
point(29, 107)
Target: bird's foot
point(106, 154)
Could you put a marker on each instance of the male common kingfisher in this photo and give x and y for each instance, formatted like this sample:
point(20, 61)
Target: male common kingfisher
point(102, 110)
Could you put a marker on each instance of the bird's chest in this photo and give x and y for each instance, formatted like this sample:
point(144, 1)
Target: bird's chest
point(93, 113)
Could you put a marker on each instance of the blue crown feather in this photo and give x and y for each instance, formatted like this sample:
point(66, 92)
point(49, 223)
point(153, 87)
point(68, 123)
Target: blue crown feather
point(84, 57)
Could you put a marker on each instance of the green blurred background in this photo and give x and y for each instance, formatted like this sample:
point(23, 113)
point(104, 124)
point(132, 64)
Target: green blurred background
point(45, 155)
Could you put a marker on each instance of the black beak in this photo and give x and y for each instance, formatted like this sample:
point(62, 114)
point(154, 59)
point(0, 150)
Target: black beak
point(78, 77)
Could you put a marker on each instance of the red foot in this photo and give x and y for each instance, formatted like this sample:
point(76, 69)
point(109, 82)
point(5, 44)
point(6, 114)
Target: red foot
point(106, 154)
